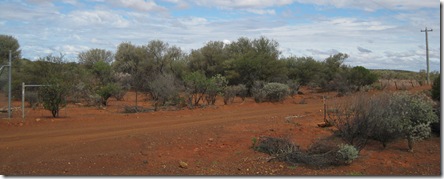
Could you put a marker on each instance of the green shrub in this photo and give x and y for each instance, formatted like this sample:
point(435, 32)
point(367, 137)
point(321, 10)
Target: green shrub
point(231, 92)
point(385, 128)
point(33, 99)
point(276, 92)
point(352, 119)
point(196, 85)
point(436, 89)
point(320, 154)
point(94, 100)
point(119, 93)
point(321, 146)
point(257, 92)
point(360, 76)
point(384, 117)
point(53, 98)
point(274, 146)
point(273, 92)
point(294, 87)
point(107, 91)
point(415, 114)
point(216, 85)
point(347, 153)
point(164, 89)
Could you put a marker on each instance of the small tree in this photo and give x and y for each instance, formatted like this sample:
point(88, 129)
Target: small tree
point(385, 126)
point(352, 119)
point(231, 92)
point(360, 76)
point(258, 94)
point(124, 82)
point(55, 73)
point(216, 85)
point(385, 118)
point(163, 88)
point(415, 114)
point(107, 91)
point(196, 85)
point(7, 43)
point(53, 98)
point(92, 56)
point(294, 87)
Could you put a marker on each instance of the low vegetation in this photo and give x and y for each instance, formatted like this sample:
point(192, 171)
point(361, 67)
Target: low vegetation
point(231, 92)
point(271, 92)
point(170, 77)
point(384, 117)
point(286, 151)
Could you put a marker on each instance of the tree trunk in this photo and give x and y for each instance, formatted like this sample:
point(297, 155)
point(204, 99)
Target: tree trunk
point(410, 143)
point(55, 113)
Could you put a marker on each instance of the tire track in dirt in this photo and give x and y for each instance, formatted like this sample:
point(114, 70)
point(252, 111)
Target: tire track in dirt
point(78, 132)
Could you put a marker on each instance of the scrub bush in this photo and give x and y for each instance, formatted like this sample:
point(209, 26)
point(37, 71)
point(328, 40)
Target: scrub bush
point(272, 92)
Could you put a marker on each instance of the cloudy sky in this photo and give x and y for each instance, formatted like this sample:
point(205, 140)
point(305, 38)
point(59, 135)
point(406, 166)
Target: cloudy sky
point(377, 34)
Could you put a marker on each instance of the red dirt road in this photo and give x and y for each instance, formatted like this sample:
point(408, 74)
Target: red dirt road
point(212, 141)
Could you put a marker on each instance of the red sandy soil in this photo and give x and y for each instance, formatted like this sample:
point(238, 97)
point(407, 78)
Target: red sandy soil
point(215, 140)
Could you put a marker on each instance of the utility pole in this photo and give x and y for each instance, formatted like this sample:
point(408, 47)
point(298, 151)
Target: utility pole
point(427, 52)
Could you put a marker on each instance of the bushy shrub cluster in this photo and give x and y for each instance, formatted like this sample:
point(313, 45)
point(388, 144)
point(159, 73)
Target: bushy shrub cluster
point(53, 98)
point(347, 153)
point(275, 146)
point(294, 87)
point(135, 109)
point(163, 89)
point(231, 92)
point(107, 91)
point(272, 92)
point(322, 156)
point(384, 117)
point(33, 98)
point(216, 86)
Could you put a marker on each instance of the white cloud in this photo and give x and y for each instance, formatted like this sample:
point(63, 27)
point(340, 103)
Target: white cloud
point(262, 11)
point(140, 5)
point(261, 7)
point(193, 21)
point(355, 24)
point(26, 12)
point(180, 4)
point(72, 2)
point(97, 17)
point(322, 53)
point(372, 5)
point(243, 4)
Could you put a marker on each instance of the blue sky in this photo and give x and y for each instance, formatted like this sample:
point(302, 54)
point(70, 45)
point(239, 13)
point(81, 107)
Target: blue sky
point(377, 34)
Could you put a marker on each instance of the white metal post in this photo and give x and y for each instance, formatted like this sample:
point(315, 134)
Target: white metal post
point(23, 100)
point(23, 96)
point(9, 88)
